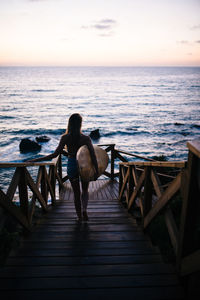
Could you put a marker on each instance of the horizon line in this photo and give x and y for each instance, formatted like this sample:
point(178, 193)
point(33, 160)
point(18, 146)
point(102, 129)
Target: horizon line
point(98, 66)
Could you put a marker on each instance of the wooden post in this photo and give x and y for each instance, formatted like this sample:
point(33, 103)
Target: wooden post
point(125, 176)
point(23, 193)
point(147, 192)
point(44, 191)
point(112, 163)
point(130, 183)
point(191, 203)
point(52, 181)
point(60, 170)
point(120, 179)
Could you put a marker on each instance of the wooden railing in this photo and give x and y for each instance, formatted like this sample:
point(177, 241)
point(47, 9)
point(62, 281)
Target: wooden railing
point(143, 187)
point(188, 259)
point(29, 190)
point(39, 191)
point(151, 186)
point(117, 155)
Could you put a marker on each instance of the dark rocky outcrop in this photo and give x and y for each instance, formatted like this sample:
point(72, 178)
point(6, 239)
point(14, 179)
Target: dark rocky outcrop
point(27, 145)
point(94, 134)
point(178, 124)
point(42, 139)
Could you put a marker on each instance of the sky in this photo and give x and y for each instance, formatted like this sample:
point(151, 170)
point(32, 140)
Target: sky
point(99, 32)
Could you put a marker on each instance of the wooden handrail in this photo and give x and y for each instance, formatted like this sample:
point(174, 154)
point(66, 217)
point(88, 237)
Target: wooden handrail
point(117, 154)
point(163, 164)
point(26, 164)
point(194, 147)
point(134, 155)
point(44, 184)
point(41, 187)
point(148, 179)
point(141, 182)
point(188, 257)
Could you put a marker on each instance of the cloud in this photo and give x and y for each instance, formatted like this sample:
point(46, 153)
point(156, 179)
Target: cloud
point(108, 21)
point(188, 43)
point(183, 42)
point(40, 0)
point(66, 39)
point(84, 27)
point(101, 26)
point(106, 34)
point(105, 26)
point(195, 27)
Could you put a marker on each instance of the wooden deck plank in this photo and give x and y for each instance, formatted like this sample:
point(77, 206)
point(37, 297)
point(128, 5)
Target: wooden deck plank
point(71, 221)
point(79, 260)
point(107, 258)
point(89, 282)
point(64, 252)
point(142, 268)
point(92, 228)
point(89, 244)
point(150, 293)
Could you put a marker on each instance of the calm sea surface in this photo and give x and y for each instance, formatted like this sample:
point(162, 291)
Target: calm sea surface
point(147, 111)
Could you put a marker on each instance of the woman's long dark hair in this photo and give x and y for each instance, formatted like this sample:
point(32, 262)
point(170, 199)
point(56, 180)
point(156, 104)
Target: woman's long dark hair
point(74, 128)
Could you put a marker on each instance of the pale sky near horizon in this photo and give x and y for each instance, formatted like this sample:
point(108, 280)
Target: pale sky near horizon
point(100, 32)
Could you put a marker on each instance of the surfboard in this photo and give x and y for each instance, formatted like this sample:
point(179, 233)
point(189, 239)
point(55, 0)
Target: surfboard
point(86, 168)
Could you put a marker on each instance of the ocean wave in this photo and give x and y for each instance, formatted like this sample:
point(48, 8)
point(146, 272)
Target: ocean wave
point(140, 85)
point(32, 132)
point(195, 126)
point(8, 108)
point(179, 142)
point(14, 95)
point(120, 132)
point(6, 117)
point(195, 86)
point(173, 133)
point(43, 90)
point(191, 126)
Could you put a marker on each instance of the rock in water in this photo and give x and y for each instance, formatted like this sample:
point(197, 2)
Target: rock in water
point(42, 139)
point(26, 145)
point(94, 134)
point(178, 124)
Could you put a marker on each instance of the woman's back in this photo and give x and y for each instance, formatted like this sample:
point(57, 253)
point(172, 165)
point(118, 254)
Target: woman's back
point(73, 146)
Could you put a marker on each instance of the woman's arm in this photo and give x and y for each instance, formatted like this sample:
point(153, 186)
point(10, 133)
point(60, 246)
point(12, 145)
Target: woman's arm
point(55, 153)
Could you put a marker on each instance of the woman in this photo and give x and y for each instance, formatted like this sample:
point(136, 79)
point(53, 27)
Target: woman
point(73, 139)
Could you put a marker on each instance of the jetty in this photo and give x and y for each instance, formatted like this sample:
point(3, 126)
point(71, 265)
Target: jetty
point(111, 256)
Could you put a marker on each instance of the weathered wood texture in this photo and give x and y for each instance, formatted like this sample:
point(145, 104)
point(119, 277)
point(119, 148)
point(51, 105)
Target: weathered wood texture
point(108, 257)
point(143, 185)
point(194, 147)
point(188, 260)
point(154, 186)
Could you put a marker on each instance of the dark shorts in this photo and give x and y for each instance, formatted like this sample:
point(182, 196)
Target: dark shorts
point(72, 168)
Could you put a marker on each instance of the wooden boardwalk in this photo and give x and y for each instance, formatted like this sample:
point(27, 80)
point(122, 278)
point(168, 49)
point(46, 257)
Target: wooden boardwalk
point(108, 257)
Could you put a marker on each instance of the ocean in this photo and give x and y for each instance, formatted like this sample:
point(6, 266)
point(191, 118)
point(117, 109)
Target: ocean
point(143, 110)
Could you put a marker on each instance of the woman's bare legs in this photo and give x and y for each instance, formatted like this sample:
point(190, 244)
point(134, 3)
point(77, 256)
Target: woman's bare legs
point(84, 198)
point(77, 199)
